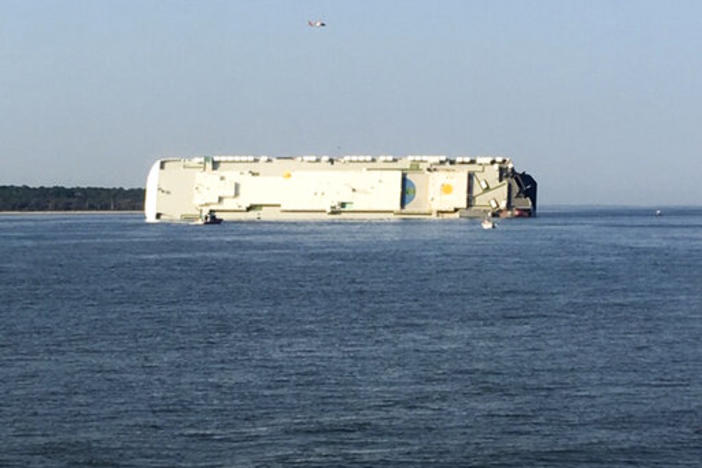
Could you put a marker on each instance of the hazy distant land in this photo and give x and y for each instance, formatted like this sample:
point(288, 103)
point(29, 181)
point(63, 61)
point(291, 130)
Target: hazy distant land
point(57, 198)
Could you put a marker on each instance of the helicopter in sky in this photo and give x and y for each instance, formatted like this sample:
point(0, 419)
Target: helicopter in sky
point(316, 24)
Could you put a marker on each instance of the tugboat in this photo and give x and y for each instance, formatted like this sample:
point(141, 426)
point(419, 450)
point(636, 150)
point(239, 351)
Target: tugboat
point(211, 218)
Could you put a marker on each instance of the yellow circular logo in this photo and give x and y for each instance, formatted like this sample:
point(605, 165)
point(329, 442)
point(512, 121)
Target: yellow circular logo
point(446, 189)
point(287, 175)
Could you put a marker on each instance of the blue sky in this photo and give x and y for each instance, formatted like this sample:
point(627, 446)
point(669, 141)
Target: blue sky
point(600, 100)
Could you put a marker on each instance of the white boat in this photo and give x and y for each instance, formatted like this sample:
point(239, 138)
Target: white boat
point(488, 224)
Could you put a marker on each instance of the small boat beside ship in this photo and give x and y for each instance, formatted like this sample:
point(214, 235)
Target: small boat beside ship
point(487, 223)
point(209, 218)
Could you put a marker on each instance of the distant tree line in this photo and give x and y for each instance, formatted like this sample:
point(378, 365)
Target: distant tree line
point(24, 198)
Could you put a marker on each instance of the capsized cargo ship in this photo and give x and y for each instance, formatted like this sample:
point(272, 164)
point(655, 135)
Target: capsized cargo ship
point(322, 187)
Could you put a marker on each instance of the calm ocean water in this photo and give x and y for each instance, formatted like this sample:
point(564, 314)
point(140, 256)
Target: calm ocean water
point(572, 339)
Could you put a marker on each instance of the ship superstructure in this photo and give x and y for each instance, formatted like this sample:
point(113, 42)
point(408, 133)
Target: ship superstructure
point(354, 186)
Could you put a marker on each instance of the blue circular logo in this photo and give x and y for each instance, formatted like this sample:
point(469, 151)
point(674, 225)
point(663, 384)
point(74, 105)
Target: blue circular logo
point(408, 191)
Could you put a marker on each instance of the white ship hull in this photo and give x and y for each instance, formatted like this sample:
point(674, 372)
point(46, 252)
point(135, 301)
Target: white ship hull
point(355, 187)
